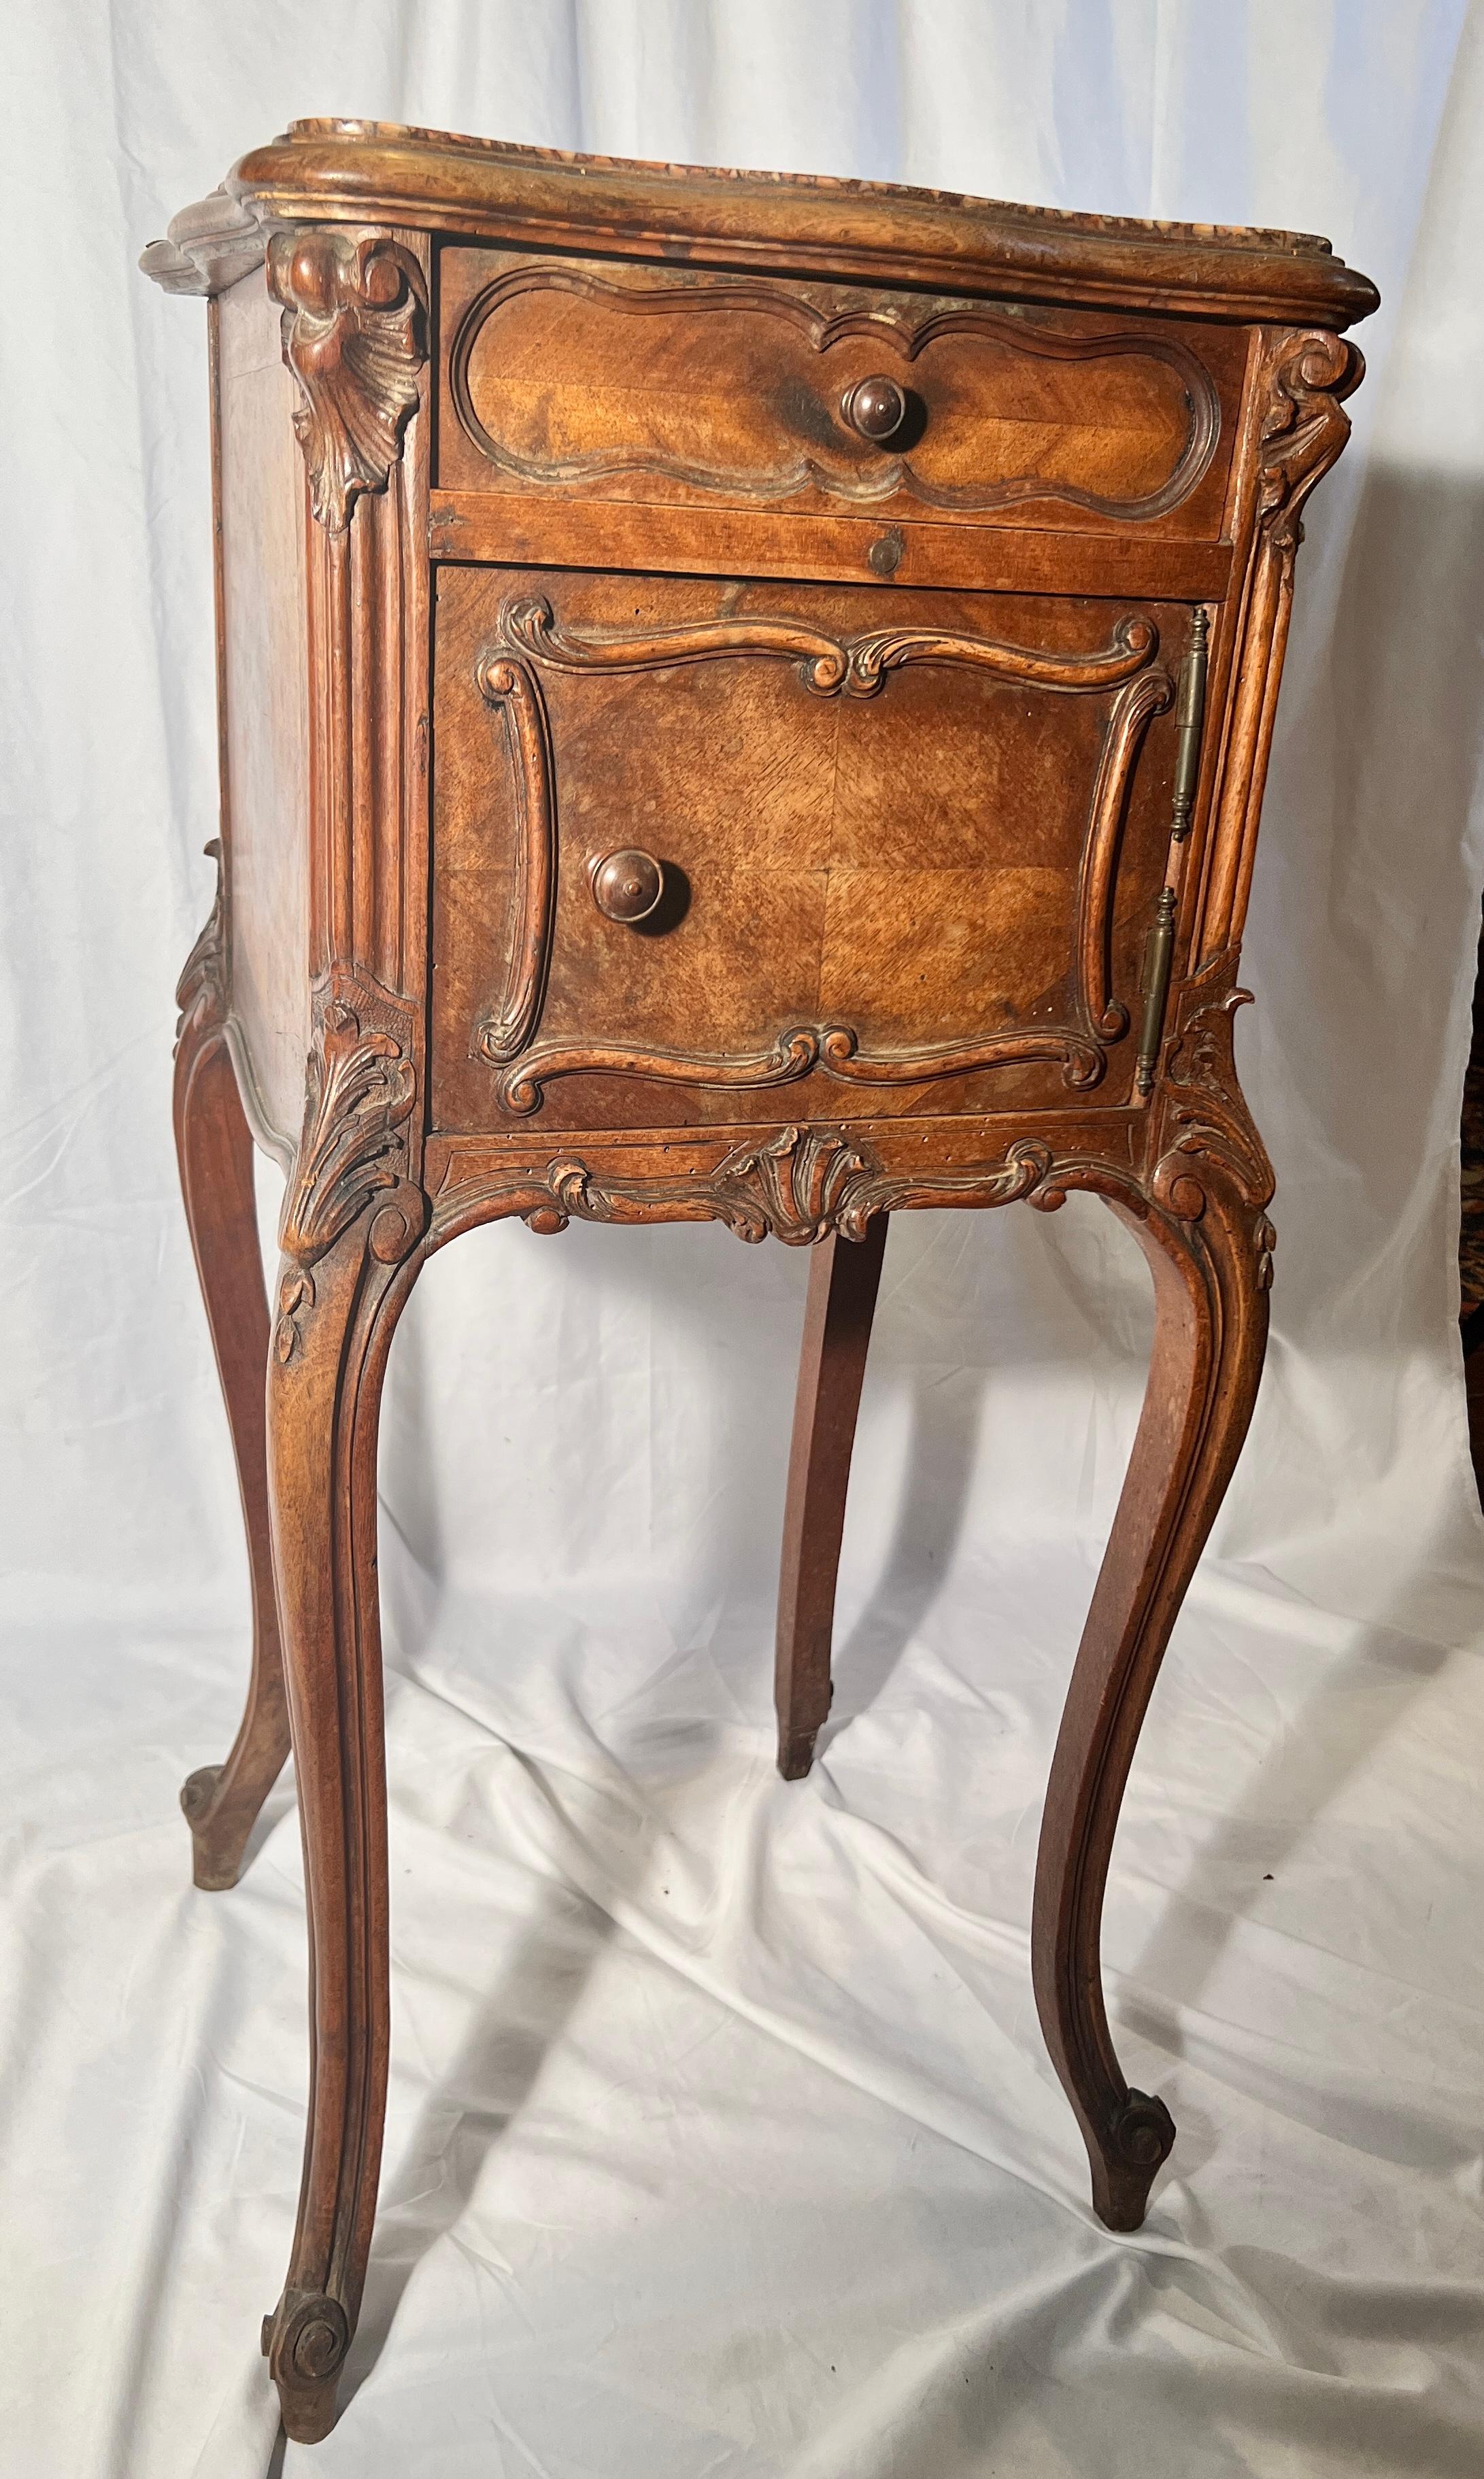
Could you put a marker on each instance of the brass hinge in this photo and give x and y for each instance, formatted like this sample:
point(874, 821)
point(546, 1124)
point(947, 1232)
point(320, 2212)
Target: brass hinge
point(1160, 945)
point(1154, 986)
point(1190, 714)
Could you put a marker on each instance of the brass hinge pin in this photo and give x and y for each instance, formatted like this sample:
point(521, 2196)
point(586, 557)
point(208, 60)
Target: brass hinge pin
point(1160, 945)
point(1159, 952)
point(1190, 714)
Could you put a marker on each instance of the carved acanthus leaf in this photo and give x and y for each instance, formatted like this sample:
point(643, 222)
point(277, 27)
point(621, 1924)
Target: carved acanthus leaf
point(1208, 1134)
point(1202, 1054)
point(1305, 427)
point(201, 992)
point(360, 1095)
point(352, 336)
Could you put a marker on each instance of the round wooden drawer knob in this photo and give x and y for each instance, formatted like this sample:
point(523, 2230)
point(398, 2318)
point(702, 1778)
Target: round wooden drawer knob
point(627, 885)
point(876, 408)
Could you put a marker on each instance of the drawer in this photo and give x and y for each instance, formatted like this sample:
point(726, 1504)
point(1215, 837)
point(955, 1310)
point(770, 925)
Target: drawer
point(589, 379)
point(905, 847)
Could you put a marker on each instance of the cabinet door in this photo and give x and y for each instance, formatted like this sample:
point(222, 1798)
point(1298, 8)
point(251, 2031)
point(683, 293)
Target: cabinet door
point(905, 847)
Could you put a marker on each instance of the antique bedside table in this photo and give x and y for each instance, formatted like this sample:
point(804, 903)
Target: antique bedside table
point(741, 699)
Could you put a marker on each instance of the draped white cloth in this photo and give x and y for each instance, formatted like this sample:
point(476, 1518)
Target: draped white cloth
point(722, 2142)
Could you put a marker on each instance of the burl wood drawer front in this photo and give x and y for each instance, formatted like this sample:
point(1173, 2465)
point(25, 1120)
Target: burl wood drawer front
point(597, 379)
point(905, 847)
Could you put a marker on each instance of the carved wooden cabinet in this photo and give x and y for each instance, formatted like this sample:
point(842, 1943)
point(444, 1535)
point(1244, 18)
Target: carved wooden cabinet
point(741, 700)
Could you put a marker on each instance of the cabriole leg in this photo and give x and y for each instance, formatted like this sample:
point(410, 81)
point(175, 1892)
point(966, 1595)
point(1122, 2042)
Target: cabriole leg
point(214, 1151)
point(1210, 1263)
point(844, 1277)
point(334, 1327)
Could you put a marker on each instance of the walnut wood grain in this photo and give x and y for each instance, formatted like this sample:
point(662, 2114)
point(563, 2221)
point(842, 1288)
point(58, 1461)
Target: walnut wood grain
point(891, 721)
point(586, 378)
point(265, 701)
point(510, 528)
point(863, 873)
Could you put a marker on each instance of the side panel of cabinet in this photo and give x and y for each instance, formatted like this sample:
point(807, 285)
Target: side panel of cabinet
point(264, 685)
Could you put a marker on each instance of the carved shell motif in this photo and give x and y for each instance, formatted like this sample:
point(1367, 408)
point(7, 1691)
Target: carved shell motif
point(799, 1184)
point(352, 337)
point(795, 1182)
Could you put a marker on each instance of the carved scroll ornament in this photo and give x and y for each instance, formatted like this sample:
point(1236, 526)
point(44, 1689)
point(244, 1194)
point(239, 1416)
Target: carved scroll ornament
point(795, 1184)
point(1305, 428)
point(828, 664)
point(352, 336)
point(1208, 1129)
point(508, 687)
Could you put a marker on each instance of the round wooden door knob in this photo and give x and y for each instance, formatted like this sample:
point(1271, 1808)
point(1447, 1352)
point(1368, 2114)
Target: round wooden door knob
point(876, 408)
point(627, 885)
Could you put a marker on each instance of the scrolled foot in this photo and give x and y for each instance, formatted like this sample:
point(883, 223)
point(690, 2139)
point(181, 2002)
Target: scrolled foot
point(1137, 2140)
point(305, 2342)
point(217, 1834)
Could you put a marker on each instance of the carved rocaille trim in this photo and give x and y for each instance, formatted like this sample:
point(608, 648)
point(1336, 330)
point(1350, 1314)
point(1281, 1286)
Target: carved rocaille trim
point(797, 1184)
point(834, 1047)
point(201, 992)
point(829, 665)
point(352, 336)
point(881, 474)
point(859, 665)
point(1304, 428)
point(522, 1083)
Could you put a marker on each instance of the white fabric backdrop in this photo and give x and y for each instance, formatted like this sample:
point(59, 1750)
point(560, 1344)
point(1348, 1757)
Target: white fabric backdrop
point(721, 2137)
